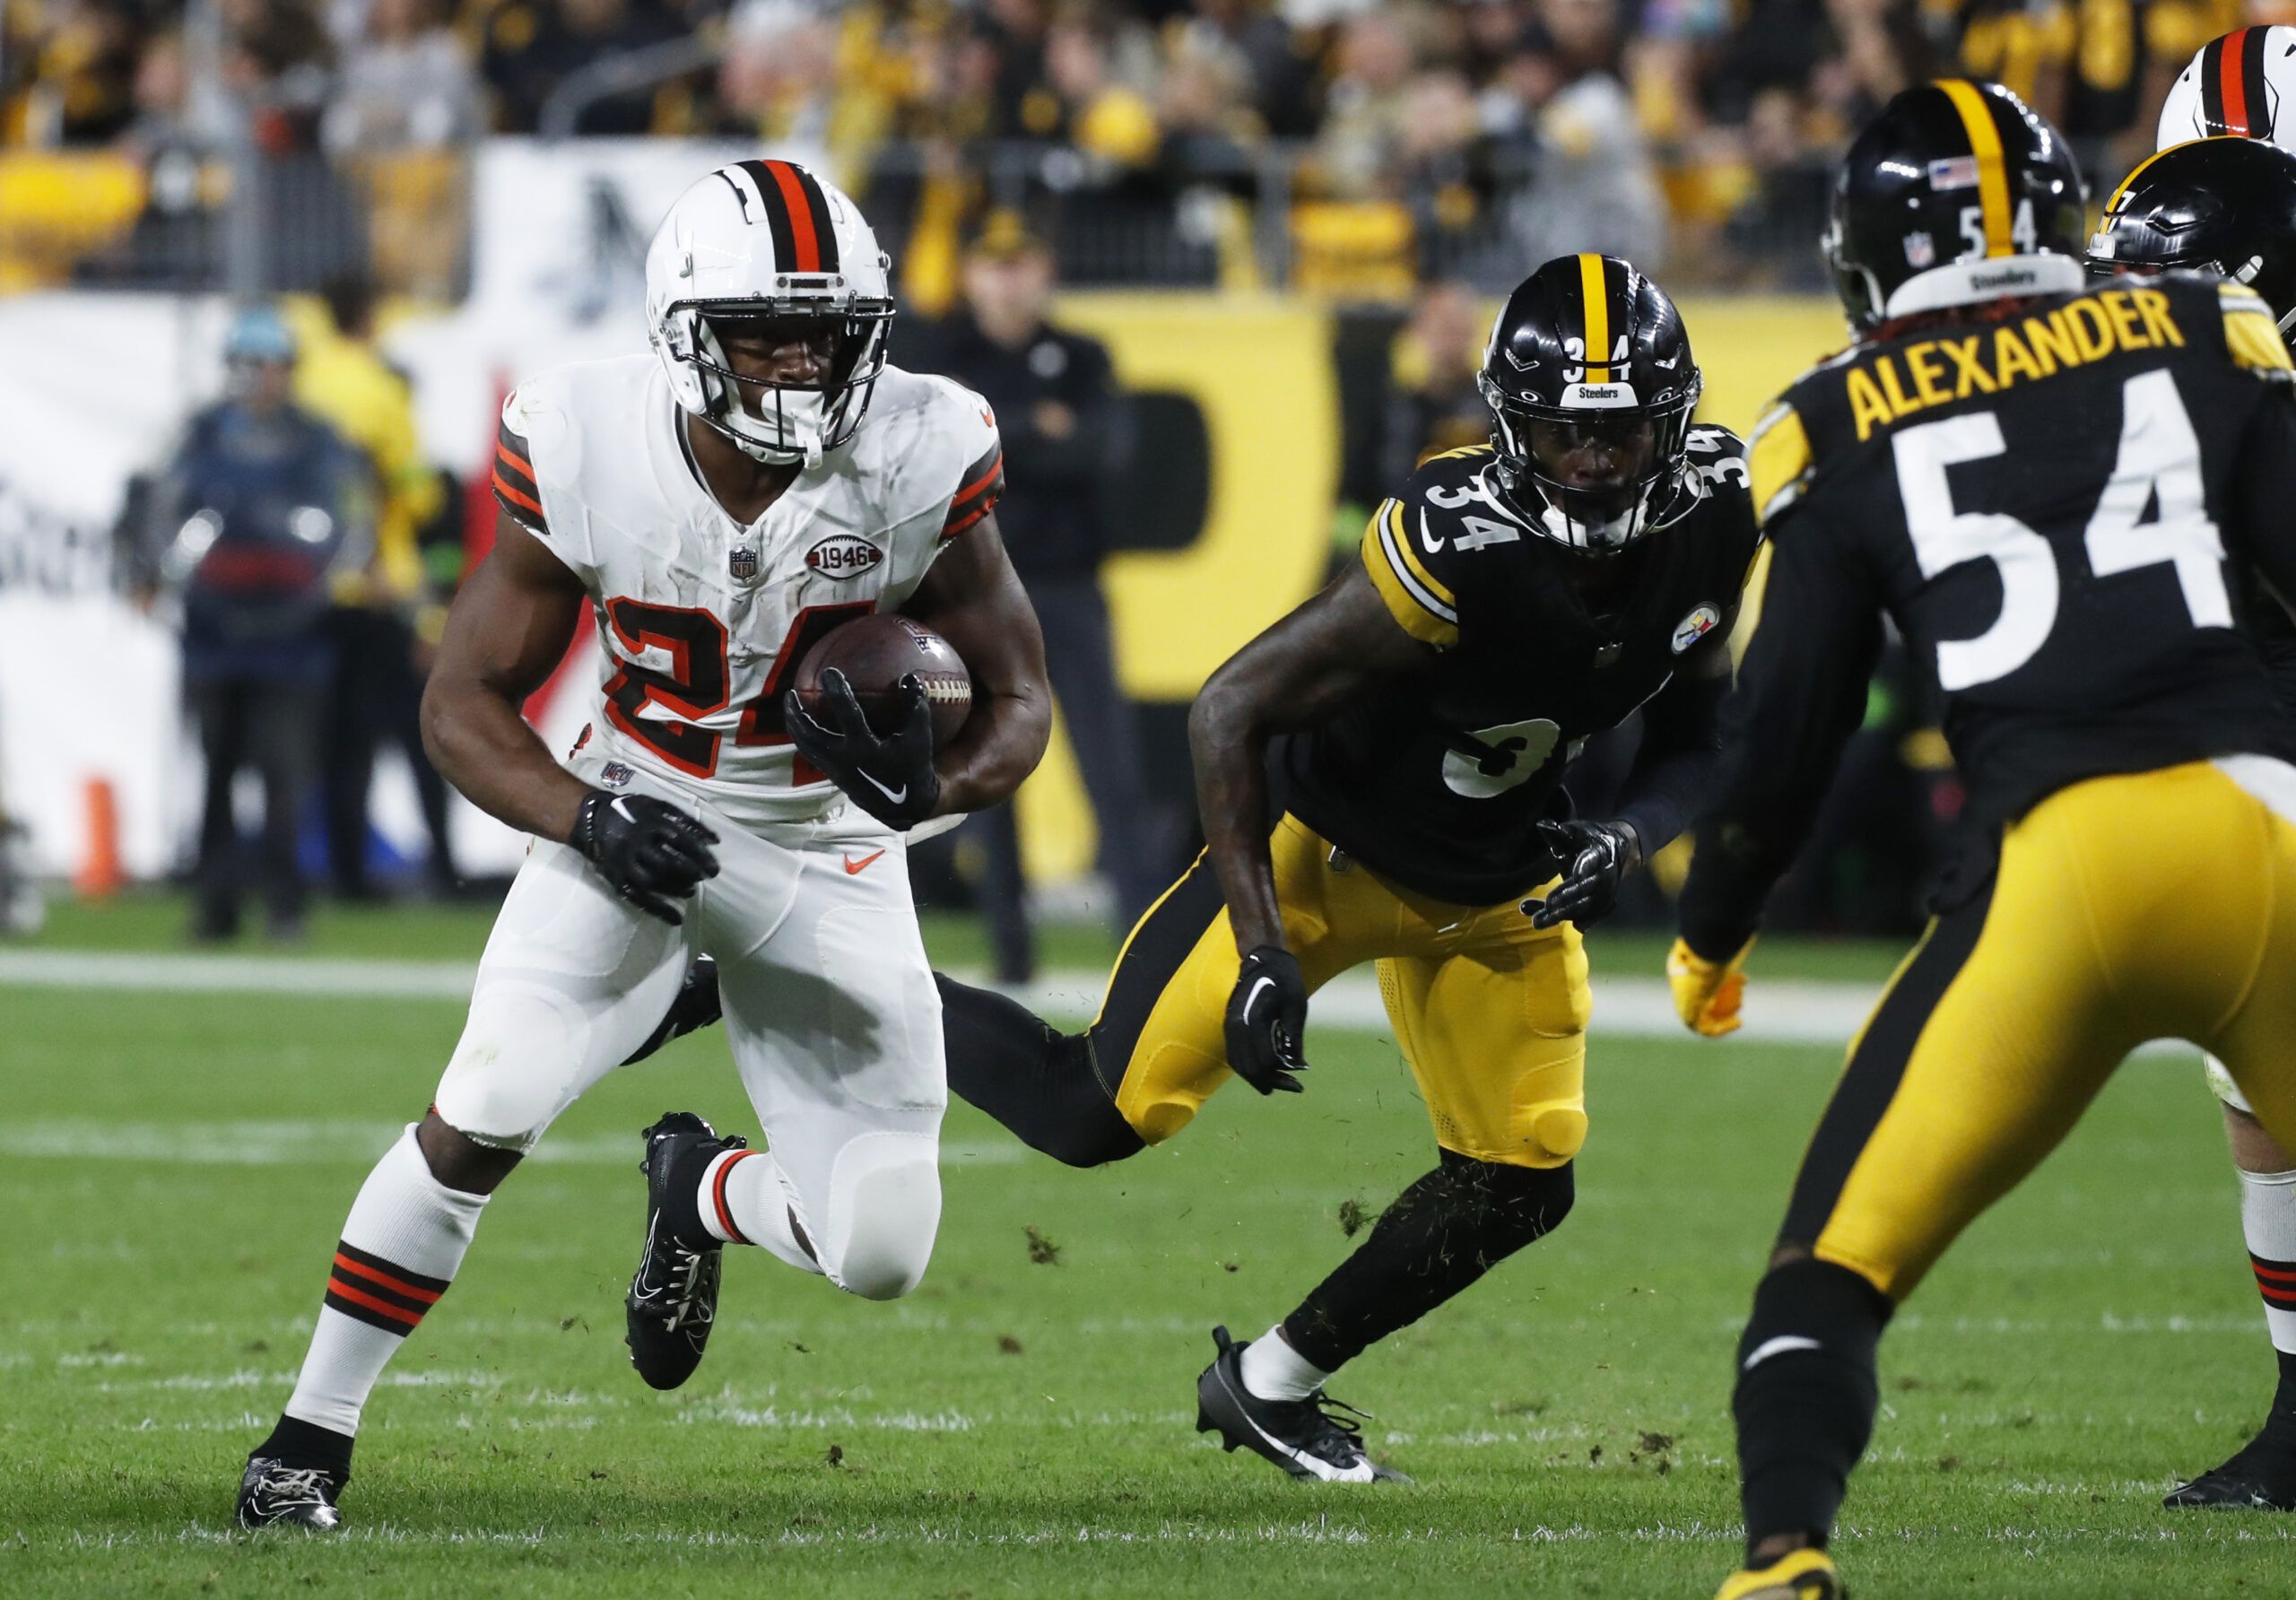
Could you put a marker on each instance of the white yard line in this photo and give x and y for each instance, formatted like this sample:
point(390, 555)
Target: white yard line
point(261, 1144)
point(1785, 1011)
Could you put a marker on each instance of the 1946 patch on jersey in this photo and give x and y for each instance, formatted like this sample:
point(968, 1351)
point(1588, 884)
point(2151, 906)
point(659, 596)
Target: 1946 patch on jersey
point(843, 555)
point(1695, 627)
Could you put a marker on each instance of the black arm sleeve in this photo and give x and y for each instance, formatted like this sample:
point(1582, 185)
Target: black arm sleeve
point(1801, 693)
point(1682, 742)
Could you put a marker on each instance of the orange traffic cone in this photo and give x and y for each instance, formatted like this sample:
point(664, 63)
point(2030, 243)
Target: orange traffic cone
point(99, 875)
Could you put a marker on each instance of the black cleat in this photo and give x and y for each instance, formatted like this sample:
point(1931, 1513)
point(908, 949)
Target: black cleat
point(1302, 1437)
point(2262, 1477)
point(673, 1298)
point(275, 1494)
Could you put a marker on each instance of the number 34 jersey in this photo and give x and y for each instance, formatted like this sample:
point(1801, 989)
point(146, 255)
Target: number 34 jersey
point(702, 621)
point(2061, 510)
point(1435, 782)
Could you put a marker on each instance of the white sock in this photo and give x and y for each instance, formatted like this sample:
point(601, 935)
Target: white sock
point(744, 1202)
point(2268, 1222)
point(1274, 1370)
point(404, 1237)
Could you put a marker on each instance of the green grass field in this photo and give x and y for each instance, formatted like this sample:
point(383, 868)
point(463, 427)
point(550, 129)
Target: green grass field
point(174, 1170)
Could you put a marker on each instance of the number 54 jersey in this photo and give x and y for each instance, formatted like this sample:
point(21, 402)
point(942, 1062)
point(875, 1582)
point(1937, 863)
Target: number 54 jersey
point(2061, 508)
point(702, 621)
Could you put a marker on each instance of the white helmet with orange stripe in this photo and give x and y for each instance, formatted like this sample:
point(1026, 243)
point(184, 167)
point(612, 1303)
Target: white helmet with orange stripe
point(2243, 83)
point(766, 246)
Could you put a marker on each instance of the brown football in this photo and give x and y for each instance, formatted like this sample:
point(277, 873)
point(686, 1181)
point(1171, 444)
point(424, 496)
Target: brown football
point(876, 653)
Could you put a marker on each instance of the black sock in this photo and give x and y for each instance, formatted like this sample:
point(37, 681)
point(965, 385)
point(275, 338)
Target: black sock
point(681, 1208)
point(2279, 1421)
point(1440, 1235)
point(298, 1443)
point(1037, 1080)
point(1805, 1396)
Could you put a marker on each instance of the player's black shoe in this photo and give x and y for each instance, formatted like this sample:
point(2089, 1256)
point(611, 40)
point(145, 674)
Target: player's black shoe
point(673, 1298)
point(1302, 1437)
point(275, 1494)
point(2262, 1477)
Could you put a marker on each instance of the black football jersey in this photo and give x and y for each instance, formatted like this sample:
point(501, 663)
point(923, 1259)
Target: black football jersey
point(2060, 509)
point(1435, 782)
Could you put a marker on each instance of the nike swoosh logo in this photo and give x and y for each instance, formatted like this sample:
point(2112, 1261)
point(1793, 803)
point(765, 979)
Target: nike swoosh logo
point(1327, 1471)
point(1784, 1344)
point(898, 797)
point(1434, 545)
point(852, 866)
point(1252, 995)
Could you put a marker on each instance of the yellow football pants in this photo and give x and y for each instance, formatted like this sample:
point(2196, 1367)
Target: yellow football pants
point(2155, 905)
point(1490, 1012)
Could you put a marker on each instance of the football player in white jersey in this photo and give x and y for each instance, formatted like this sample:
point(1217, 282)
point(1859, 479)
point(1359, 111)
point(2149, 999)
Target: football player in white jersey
point(718, 505)
point(2242, 84)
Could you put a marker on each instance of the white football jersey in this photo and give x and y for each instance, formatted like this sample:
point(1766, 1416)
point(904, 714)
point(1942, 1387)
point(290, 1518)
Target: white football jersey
point(702, 621)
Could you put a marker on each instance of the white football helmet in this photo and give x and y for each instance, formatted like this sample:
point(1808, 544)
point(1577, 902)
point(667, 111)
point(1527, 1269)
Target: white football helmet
point(2243, 83)
point(769, 238)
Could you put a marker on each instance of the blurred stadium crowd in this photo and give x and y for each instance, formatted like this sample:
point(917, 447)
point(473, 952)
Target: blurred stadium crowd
point(1402, 162)
point(1341, 146)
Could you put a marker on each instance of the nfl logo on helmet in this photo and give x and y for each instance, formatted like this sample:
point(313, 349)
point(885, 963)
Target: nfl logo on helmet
point(741, 562)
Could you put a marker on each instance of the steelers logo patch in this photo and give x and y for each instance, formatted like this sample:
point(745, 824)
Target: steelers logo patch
point(1695, 627)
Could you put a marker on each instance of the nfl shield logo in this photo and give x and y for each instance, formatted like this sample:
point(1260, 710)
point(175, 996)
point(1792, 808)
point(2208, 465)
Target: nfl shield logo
point(1920, 251)
point(741, 562)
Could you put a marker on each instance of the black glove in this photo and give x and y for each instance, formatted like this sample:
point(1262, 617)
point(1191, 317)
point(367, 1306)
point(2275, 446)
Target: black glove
point(1595, 858)
point(649, 850)
point(697, 1006)
point(890, 778)
point(1266, 1014)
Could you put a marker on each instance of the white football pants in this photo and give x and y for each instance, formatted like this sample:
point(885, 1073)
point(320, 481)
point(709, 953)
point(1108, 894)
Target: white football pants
point(830, 1009)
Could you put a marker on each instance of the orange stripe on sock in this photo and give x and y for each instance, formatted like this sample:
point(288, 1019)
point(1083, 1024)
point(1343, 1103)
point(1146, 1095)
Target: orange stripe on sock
point(717, 1197)
point(429, 1297)
point(360, 1296)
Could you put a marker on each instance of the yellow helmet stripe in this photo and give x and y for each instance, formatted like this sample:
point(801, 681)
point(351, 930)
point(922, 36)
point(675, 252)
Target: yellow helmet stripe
point(1992, 178)
point(1595, 290)
point(2137, 171)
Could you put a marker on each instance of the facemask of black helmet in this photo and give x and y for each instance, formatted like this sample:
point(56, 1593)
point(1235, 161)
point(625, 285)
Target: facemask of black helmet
point(2226, 207)
point(1594, 475)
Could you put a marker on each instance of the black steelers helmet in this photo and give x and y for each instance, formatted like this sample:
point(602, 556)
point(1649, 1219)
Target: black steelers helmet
point(1957, 194)
point(2224, 205)
point(1590, 382)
